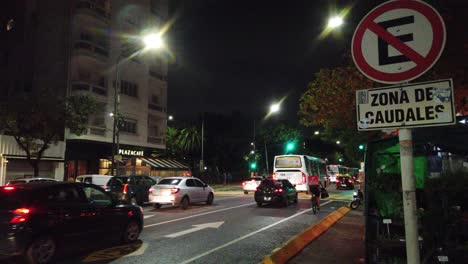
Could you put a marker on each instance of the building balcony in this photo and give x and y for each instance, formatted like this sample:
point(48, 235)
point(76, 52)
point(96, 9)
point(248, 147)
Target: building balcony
point(156, 107)
point(91, 49)
point(156, 140)
point(94, 9)
point(89, 87)
point(157, 74)
point(97, 131)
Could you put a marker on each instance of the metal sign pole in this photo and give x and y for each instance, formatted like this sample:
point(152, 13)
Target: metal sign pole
point(409, 196)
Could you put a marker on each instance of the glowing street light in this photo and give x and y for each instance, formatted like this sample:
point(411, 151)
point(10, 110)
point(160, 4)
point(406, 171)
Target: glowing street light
point(170, 117)
point(335, 21)
point(317, 132)
point(153, 41)
point(274, 108)
point(338, 142)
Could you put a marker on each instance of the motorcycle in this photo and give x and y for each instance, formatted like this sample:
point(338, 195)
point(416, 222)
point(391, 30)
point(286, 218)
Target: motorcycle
point(358, 197)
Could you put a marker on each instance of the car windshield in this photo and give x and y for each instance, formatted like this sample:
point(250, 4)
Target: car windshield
point(270, 183)
point(169, 182)
point(117, 181)
point(17, 182)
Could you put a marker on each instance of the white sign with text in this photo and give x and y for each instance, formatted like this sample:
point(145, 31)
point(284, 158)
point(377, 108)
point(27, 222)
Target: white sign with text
point(405, 106)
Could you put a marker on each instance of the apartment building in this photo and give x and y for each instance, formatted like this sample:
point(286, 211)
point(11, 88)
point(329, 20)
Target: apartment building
point(77, 47)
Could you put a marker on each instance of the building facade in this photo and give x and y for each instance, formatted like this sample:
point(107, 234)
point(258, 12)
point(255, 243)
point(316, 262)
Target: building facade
point(77, 47)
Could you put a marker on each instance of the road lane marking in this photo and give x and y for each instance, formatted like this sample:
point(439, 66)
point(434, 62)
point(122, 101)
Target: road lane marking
point(197, 228)
point(147, 216)
point(192, 216)
point(248, 235)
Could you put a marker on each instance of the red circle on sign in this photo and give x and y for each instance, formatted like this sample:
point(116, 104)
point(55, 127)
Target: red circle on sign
point(422, 63)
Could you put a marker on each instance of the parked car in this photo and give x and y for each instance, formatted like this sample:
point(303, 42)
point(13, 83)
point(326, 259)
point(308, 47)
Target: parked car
point(130, 189)
point(275, 192)
point(28, 180)
point(344, 182)
point(180, 191)
point(96, 179)
point(36, 218)
point(251, 184)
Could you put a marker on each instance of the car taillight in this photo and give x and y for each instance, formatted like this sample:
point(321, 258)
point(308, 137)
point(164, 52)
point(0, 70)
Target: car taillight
point(278, 190)
point(175, 190)
point(243, 183)
point(125, 188)
point(304, 178)
point(151, 190)
point(273, 176)
point(8, 188)
point(20, 215)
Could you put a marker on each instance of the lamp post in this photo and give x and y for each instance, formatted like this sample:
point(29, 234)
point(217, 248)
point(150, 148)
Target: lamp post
point(150, 41)
point(274, 108)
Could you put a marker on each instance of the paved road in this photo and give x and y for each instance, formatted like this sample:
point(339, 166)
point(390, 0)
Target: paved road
point(238, 232)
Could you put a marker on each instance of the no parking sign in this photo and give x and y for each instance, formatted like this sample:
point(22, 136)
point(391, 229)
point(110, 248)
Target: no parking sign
point(398, 41)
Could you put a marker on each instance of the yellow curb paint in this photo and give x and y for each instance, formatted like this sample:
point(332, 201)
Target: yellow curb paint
point(294, 245)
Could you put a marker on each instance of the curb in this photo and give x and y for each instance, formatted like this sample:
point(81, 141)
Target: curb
point(294, 245)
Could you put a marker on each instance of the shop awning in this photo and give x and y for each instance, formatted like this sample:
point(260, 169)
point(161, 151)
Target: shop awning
point(165, 164)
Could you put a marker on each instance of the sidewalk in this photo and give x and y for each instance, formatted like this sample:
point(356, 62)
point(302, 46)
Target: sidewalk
point(342, 243)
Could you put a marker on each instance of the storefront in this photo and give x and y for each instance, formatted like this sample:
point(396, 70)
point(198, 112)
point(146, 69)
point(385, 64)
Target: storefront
point(14, 165)
point(92, 157)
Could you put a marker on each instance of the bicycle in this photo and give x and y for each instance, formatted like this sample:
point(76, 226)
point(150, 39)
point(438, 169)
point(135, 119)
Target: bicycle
point(314, 204)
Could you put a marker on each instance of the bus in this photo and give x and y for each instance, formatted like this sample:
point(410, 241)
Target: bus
point(299, 170)
point(335, 170)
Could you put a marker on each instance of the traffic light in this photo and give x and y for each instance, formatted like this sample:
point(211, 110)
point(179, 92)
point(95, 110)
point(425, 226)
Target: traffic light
point(361, 147)
point(290, 146)
point(253, 165)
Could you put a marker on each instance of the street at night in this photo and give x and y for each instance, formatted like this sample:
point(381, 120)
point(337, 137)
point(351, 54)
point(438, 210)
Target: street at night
point(232, 230)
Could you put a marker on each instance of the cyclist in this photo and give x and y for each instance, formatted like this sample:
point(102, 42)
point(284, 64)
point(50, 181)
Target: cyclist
point(314, 186)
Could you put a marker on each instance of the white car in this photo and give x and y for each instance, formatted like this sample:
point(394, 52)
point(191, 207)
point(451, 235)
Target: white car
point(180, 191)
point(251, 184)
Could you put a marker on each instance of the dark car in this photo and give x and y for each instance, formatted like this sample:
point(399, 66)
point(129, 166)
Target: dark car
point(344, 182)
point(275, 192)
point(35, 219)
point(131, 189)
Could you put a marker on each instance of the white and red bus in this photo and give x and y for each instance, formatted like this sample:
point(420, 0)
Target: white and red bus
point(299, 170)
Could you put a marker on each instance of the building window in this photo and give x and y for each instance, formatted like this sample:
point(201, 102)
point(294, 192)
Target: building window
point(155, 99)
point(129, 88)
point(128, 126)
point(153, 130)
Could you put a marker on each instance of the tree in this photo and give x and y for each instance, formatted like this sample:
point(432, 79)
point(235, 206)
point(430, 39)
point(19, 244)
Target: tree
point(189, 139)
point(38, 119)
point(329, 102)
point(172, 148)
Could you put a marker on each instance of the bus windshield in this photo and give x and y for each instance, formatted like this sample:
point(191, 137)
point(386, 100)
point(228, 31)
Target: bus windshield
point(288, 162)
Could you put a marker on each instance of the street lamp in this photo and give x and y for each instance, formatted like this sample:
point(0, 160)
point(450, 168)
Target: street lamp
point(338, 142)
point(317, 132)
point(151, 41)
point(170, 117)
point(274, 108)
point(335, 22)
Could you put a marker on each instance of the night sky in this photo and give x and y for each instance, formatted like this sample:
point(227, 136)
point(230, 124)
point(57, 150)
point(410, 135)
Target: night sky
point(237, 55)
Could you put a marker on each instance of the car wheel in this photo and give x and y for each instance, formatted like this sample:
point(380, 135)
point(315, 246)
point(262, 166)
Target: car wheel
point(246, 192)
point(209, 200)
point(259, 204)
point(157, 206)
point(131, 232)
point(184, 203)
point(41, 250)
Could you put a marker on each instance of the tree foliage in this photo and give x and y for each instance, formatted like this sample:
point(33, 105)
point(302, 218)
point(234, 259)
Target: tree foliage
point(329, 102)
point(37, 120)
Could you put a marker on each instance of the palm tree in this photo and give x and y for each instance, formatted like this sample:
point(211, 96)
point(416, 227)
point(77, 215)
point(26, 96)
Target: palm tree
point(172, 147)
point(189, 139)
